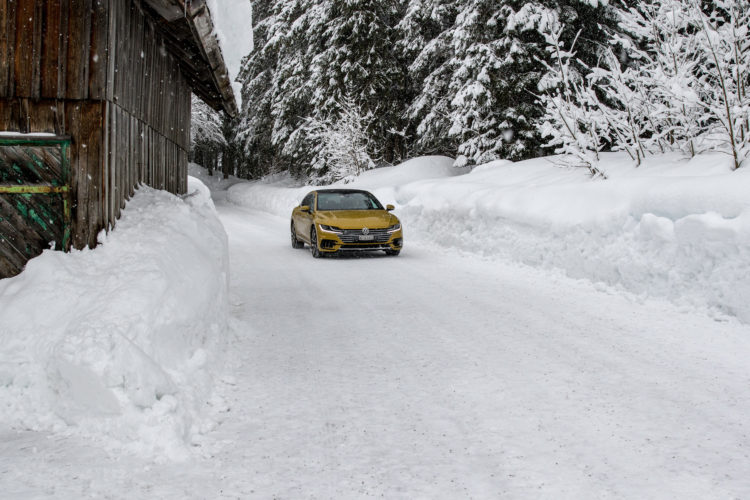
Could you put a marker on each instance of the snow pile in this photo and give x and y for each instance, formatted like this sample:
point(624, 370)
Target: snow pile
point(672, 228)
point(120, 343)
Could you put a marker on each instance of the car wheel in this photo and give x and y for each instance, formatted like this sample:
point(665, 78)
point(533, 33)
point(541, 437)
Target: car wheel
point(392, 252)
point(314, 243)
point(296, 243)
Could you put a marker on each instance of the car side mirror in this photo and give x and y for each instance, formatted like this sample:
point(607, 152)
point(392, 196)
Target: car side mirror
point(304, 208)
point(390, 207)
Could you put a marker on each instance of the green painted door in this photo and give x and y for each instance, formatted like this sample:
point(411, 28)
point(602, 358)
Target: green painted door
point(34, 199)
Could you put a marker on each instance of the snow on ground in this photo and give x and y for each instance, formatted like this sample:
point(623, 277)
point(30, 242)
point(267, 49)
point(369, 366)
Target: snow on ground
point(435, 374)
point(672, 228)
point(120, 343)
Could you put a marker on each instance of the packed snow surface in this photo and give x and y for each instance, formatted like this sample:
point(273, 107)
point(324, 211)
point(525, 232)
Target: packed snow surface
point(672, 228)
point(121, 343)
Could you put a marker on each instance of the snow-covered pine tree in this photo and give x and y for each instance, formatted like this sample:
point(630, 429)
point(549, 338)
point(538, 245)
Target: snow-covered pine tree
point(426, 44)
point(473, 69)
point(308, 55)
point(205, 125)
point(493, 70)
point(356, 56)
point(479, 93)
point(254, 128)
point(584, 25)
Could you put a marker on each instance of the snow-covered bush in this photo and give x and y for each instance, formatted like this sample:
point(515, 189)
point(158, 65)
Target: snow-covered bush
point(572, 117)
point(343, 143)
point(724, 40)
point(683, 86)
point(693, 65)
point(122, 343)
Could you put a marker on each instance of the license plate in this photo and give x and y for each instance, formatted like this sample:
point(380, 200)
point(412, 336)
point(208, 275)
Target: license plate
point(366, 237)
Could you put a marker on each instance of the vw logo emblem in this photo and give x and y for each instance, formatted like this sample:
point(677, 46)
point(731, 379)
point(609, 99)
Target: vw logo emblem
point(365, 230)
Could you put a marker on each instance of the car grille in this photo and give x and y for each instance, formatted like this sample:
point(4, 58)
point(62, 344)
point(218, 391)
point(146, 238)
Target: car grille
point(352, 236)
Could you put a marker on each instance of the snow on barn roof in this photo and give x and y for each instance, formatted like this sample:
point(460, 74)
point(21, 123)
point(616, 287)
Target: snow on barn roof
point(189, 33)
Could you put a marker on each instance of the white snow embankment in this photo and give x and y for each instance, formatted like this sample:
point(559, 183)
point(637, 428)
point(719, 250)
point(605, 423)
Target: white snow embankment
point(672, 228)
point(121, 343)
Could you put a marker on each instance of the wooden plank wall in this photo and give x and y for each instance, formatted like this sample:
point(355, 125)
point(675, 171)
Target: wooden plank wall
point(53, 49)
point(96, 70)
point(148, 108)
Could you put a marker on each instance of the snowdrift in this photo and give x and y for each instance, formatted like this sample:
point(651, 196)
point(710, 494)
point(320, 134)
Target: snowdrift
point(673, 228)
point(119, 343)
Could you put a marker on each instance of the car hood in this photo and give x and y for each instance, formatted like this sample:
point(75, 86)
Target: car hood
point(356, 219)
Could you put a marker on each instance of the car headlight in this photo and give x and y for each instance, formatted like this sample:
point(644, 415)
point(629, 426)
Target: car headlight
point(331, 229)
point(394, 228)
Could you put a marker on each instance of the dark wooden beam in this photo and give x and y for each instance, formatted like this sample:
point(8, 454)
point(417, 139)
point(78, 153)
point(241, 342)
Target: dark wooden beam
point(168, 9)
point(189, 35)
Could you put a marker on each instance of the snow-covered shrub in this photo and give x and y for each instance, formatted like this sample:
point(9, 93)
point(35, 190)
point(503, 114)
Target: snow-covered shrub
point(724, 40)
point(683, 86)
point(693, 66)
point(343, 143)
point(657, 38)
point(572, 118)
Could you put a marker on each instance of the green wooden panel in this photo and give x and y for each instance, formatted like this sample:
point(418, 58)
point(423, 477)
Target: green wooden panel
point(34, 199)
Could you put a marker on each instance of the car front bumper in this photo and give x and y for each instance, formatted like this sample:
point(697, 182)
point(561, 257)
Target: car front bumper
point(332, 242)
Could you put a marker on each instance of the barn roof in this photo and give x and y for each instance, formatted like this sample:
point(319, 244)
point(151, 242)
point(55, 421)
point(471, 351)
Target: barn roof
point(189, 33)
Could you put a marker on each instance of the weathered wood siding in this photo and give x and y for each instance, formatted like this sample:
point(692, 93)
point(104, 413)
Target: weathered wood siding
point(98, 71)
point(147, 109)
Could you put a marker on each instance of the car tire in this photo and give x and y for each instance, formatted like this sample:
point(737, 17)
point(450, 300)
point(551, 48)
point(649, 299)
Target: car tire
point(314, 243)
point(392, 253)
point(296, 243)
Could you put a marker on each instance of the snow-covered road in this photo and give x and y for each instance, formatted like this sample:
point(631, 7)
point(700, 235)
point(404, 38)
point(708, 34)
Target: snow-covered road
point(440, 376)
point(437, 375)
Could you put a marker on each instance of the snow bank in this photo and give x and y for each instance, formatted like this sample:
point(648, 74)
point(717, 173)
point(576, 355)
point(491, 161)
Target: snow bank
point(120, 343)
point(672, 228)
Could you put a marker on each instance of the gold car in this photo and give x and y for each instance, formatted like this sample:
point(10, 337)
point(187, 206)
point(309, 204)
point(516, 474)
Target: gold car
point(333, 220)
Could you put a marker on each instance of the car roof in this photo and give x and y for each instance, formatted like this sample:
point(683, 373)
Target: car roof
point(342, 191)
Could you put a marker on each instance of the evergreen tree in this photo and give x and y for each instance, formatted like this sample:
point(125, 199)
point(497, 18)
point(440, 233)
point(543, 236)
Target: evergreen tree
point(255, 126)
point(478, 96)
point(356, 58)
point(425, 42)
point(456, 77)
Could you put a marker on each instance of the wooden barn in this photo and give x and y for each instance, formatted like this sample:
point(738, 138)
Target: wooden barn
point(94, 100)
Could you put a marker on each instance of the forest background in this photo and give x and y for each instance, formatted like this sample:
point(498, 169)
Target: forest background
point(332, 88)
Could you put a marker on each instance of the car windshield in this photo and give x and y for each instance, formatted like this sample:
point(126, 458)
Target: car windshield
point(355, 200)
